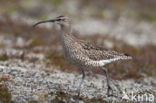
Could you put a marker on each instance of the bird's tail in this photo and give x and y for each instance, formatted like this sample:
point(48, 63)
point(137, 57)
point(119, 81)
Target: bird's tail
point(126, 56)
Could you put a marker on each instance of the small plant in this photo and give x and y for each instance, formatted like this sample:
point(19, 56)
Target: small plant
point(4, 57)
point(5, 95)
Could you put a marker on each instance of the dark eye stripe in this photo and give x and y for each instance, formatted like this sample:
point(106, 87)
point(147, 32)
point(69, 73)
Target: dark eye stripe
point(60, 16)
point(60, 19)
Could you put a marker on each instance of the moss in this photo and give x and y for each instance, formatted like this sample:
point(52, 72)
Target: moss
point(46, 95)
point(64, 97)
point(57, 58)
point(151, 17)
point(60, 97)
point(44, 18)
point(33, 101)
point(37, 42)
point(5, 95)
point(4, 57)
point(98, 14)
point(55, 2)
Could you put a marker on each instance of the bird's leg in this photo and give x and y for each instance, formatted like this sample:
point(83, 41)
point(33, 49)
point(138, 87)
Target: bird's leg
point(83, 77)
point(108, 84)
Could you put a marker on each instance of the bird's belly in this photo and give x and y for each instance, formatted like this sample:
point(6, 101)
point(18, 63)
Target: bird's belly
point(71, 58)
point(74, 57)
point(78, 59)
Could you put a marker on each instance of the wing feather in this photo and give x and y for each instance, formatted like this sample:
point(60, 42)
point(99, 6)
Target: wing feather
point(95, 52)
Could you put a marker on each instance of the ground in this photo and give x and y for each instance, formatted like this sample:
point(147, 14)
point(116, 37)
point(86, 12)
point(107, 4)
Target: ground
point(34, 70)
point(28, 82)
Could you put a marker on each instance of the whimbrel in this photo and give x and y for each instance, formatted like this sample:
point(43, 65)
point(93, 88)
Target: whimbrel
point(84, 54)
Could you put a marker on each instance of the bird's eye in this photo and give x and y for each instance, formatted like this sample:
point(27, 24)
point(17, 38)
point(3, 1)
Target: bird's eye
point(58, 19)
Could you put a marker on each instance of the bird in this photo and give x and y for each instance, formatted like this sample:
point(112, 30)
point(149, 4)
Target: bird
point(84, 54)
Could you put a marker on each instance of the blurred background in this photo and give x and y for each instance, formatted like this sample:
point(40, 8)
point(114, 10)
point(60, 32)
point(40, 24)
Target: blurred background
point(122, 25)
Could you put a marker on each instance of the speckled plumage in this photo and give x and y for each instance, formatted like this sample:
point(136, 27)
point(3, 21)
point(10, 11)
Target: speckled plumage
point(84, 54)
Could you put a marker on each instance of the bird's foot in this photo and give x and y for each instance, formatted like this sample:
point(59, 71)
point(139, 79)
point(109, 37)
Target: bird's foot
point(109, 91)
point(78, 92)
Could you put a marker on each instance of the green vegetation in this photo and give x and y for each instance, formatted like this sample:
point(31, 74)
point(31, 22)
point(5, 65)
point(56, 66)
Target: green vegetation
point(5, 95)
point(37, 41)
point(33, 101)
point(56, 58)
point(55, 2)
point(149, 17)
point(63, 97)
point(4, 57)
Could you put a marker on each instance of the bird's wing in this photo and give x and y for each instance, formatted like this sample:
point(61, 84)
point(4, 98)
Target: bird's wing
point(95, 52)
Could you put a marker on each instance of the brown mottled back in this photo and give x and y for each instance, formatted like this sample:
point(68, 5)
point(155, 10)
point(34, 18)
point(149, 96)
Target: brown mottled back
point(96, 52)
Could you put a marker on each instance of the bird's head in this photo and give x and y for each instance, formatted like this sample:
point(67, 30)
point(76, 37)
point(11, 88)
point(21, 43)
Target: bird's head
point(63, 21)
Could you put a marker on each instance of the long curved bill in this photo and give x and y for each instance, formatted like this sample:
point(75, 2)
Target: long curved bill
point(45, 21)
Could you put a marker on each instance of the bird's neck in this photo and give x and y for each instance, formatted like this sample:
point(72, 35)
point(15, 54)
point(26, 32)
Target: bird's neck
point(66, 30)
point(67, 37)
